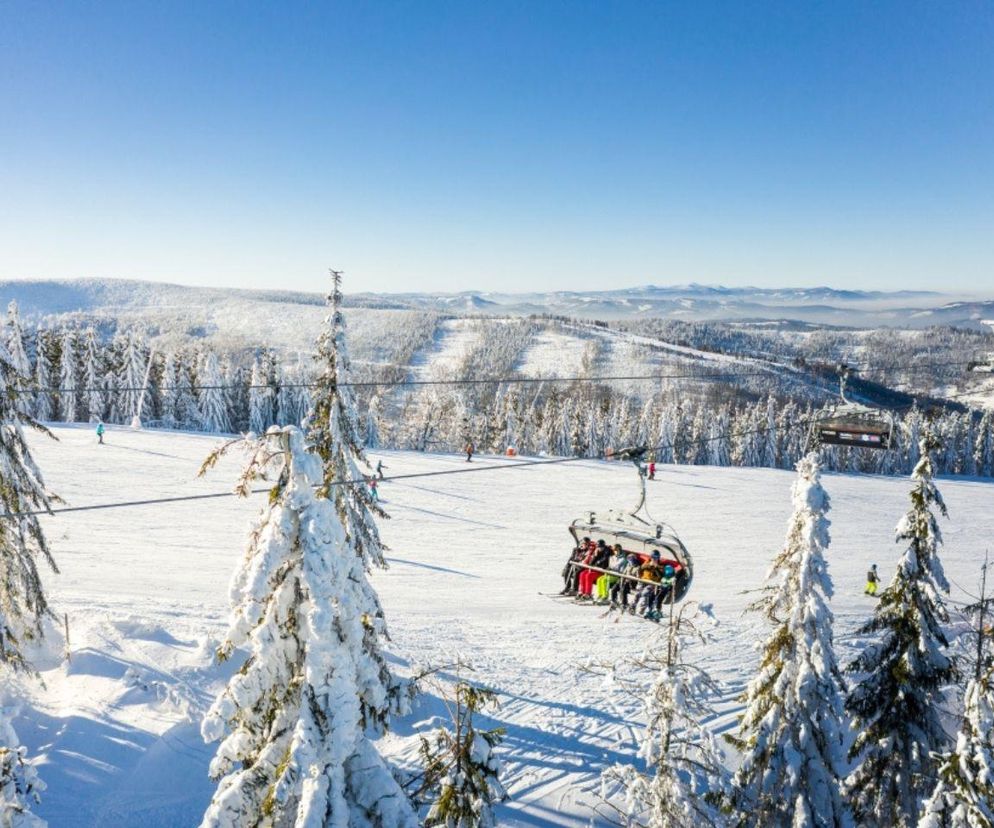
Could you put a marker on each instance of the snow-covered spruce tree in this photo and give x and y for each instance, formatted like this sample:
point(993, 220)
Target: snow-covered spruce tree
point(43, 383)
point(791, 734)
point(683, 780)
point(213, 406)
point(964, 795)
point(68, 377)
point(896, 703)
point(260, 400)
point(19, 782)
point(316, 688)
point(23, 605)
point(18, 354)
point(461, 771)
point(131, 379)
point(93, 374)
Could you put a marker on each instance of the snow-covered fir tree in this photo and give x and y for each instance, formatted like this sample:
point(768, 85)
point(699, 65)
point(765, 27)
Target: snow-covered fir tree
point(683, 777)
point(43, 408)
point(896, 704)
point(18, 354)
point(301, 713)
point(68, 377)
point(791, 734)
point(461, 779)
point(187, 407)
point(260, 399)
point(93, 372)
point(131, 402)
point(964, 795)
point(23, 604)
point(213, 406)
point(297, 751)
point(371, 430)
point(19, 783)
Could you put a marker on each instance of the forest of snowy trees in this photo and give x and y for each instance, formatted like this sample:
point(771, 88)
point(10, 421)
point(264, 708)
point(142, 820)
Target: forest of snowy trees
point(703, 423)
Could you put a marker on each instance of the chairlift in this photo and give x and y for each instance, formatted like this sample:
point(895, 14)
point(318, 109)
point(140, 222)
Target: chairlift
point(638, 533)
point(853, 424)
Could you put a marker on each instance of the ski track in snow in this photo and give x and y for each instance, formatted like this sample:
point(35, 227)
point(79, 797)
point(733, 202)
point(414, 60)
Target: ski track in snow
point(454, 339)
point(116, 730)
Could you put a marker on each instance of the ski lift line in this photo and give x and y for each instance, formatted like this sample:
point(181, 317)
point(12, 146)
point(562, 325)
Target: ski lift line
point(412, 476)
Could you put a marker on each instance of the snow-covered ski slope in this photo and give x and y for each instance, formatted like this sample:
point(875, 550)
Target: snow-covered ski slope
point(116, 729)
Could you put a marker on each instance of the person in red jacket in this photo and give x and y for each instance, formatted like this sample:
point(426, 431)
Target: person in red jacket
point(599, 556)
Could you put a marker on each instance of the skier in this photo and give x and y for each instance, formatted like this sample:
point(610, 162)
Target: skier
point(469, 452)
point(604, 584)
point(625, 585)
point(871, 581)
point(652, 469)
point(379, 469)
point(571, 573)
point(600, 557)
point(100, 433)
point(373, 491)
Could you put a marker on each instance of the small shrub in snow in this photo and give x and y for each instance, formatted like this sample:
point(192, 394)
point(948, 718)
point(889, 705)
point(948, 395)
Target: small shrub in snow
point(683, 779)
point(461, 771)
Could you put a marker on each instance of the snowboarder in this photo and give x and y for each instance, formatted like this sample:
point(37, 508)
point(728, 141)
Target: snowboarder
point(652, 469)
point(469, 452)
point(100, 433)
point(379, 469)
point(871, 580)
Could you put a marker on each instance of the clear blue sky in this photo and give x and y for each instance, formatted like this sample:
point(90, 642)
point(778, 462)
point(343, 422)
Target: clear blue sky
point(503, 145)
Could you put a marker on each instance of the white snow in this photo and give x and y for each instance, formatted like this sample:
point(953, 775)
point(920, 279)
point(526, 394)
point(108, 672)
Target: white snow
point(117, 729)
point(454, 339)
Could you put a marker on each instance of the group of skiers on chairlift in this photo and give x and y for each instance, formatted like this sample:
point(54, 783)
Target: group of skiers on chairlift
point(635, 583)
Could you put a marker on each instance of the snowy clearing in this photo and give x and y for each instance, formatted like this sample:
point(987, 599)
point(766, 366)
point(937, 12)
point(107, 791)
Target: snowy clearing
point(116, 730)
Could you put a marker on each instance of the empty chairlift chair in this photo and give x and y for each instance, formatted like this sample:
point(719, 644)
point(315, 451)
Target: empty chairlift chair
point(853, 424)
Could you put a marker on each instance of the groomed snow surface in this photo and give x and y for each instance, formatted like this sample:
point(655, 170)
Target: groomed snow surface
point(116, 729)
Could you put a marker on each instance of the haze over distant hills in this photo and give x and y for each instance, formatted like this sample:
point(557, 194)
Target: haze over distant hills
point(156, 301)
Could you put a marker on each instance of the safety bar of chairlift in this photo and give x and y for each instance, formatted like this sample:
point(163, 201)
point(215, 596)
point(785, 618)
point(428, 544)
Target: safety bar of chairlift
point(579, 565)
point(659, 526)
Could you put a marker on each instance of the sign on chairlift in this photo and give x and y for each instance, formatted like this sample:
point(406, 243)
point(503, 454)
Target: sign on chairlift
point(839, 436)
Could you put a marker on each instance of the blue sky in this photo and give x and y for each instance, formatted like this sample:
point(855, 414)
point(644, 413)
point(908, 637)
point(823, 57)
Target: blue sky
point(499, 146)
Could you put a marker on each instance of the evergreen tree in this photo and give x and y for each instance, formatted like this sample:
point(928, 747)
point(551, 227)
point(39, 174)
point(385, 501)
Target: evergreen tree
point(68, 377)
point(213, 406)
point(43, 382)
point(19, 782)
point(93, 374)
point(23, 605)
point(131, 378)
point(317, 684)
point(260, 400)
point(896, 704)
point(18, 354)
point(791, 733)
point(682, 784)
point(461, 771)
point(964, 794)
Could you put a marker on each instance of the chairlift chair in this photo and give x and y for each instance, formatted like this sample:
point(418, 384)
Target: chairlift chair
point(639, 533)
point(853, 424)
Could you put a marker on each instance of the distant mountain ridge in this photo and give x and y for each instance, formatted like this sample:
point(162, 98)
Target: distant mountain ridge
point(692, 302)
